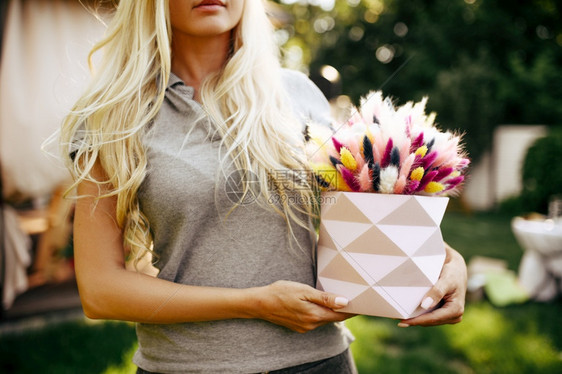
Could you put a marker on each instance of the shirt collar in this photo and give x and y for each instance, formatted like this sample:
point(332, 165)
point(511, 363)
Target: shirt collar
point(176, 84)
point(174, 80)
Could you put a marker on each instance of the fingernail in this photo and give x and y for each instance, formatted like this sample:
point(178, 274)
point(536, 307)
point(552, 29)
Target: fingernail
point(426, 303)
point(402, 324)
point(341, 301)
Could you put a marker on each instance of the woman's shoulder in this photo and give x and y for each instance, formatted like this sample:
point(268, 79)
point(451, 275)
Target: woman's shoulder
point(307, 99)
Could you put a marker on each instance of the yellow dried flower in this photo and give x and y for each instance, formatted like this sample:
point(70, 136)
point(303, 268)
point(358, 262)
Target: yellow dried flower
point(433, 187)
point(347, 159)
point(421, 151)
point(417, 174)
point(329, 173)
point(341, 184)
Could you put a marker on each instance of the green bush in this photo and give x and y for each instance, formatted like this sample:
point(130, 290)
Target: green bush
point(512, 206)
point(542, 173)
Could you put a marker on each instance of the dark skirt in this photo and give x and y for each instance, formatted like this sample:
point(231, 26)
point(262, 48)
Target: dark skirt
point(340, 364)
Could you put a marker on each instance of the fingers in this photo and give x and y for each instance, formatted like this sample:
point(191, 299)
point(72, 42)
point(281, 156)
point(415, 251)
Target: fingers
point(452, 280)
point(449, 290)
point(327, 300)
point(315, 317)
point(450, 313)
point(300, 307)
point(434, 296)
point(310, 294)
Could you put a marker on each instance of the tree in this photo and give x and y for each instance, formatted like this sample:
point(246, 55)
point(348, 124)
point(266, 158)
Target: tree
point(481, 62)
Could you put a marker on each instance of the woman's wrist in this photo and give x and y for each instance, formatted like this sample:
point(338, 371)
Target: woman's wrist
point(249, 303)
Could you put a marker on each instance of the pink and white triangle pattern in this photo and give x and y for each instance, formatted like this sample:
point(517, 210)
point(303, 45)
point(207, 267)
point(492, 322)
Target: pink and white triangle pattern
point(385, 265)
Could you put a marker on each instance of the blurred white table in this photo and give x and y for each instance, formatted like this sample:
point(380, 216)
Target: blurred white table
point(540, 271)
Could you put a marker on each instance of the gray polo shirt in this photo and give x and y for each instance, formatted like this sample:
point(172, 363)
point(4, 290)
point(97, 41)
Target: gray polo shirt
point(185, 197)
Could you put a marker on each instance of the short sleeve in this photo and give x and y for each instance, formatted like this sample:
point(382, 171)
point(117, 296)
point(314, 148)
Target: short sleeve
point(77, 141)
point(308, 102)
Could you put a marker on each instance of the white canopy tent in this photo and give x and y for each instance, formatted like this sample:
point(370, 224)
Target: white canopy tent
point(43, 70)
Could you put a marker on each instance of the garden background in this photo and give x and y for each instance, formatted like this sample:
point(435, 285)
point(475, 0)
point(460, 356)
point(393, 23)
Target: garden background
point(482, 63)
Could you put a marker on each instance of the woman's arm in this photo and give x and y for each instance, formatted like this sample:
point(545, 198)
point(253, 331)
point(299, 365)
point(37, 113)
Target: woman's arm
point(109, 291)
point(450, 289)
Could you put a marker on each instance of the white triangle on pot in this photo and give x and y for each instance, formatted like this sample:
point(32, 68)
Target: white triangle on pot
point(377, 266)
point(342, 288)
point(324, 256)
point(343, 233)
point(407, 298)
point(430, 265)
point(434, 206)
point(408, 238)
point(376, 206)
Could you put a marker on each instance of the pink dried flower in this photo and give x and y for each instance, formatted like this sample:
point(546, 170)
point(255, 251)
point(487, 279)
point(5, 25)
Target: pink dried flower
point(428, 177)
point(365, 182)
point(349, 178)
point(386, 156)
point(337, 144)
point(390, 150)
point(400, 185)
point(428, 160)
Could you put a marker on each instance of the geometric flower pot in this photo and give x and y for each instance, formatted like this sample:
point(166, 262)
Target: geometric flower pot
point(382, 252)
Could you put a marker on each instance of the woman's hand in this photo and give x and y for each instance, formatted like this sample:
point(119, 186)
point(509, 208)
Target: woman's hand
point(297, 306)
point(449, 290)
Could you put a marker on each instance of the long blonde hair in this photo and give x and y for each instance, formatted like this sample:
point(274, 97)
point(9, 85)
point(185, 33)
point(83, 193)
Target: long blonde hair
point(245, 100)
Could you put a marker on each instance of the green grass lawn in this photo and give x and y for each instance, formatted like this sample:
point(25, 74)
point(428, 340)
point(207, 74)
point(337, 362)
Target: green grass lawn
point(482, 234)
point(70, 347)
point(516, 339)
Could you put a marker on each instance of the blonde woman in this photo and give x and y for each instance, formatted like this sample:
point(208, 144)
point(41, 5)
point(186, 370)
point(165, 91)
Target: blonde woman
point(188, 94)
